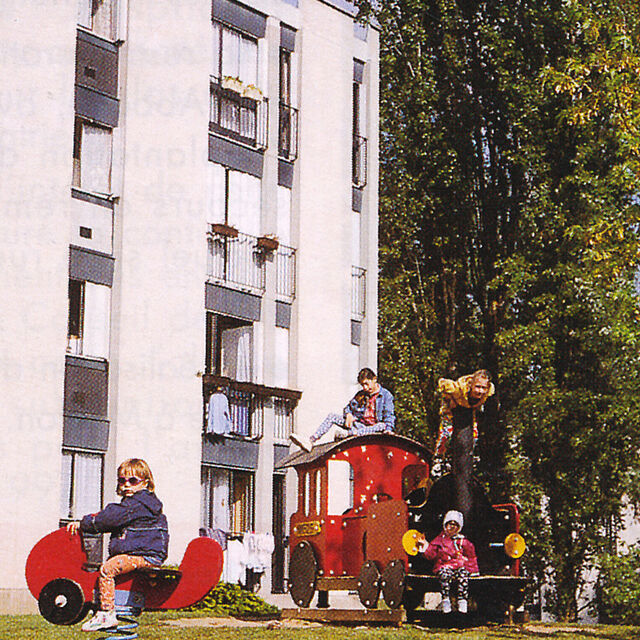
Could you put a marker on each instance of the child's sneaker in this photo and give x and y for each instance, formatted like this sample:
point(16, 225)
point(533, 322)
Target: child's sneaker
point(301, 440)
point(462, 606)
point(446, 605)
point(101, 620)
point(341, 433)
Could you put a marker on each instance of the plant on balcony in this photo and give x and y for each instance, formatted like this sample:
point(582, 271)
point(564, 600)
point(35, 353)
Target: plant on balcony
point(251, 91)
point(223, 229)
point(268, 243)
point(233, 84)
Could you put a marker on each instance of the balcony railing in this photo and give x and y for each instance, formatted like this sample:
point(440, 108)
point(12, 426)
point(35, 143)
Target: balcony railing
point(285, 273)
point(247, 403)
point(358, 292)
point(288, 132)
point(359, 161)
point(235, 259)
point(241, 118)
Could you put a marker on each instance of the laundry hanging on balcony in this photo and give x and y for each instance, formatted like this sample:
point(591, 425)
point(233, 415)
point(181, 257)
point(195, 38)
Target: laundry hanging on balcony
point(219, 421)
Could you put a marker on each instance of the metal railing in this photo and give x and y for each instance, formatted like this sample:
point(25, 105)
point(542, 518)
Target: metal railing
point(241, 118)
point(288, 132)
point(247, 402)
point(235, 259)
point(359, 161)
point(358, 292)
point(283, 420)
point(285, 273)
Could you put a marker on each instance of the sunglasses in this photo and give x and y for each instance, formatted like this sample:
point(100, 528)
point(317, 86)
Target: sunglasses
point(133, 481)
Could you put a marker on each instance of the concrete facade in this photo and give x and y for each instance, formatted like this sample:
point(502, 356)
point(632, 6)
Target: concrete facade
point(104, 356)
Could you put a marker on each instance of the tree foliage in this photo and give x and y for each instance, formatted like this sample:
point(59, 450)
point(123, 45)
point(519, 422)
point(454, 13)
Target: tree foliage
point(508, 240)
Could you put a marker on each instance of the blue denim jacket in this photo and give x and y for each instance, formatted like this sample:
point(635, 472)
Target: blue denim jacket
point(385, 411)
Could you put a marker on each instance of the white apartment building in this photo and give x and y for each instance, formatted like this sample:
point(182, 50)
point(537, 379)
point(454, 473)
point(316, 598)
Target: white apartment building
point(188, 197)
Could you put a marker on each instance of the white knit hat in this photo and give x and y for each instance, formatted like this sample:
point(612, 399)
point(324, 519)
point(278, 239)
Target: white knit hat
point(454, 516)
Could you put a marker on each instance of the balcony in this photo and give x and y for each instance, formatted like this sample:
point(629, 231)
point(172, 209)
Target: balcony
point(247, 403)
point(359, 161)
point(235, 259)
point(288, 132)
point(358, 293)
point(285, 273)
point(242, 118)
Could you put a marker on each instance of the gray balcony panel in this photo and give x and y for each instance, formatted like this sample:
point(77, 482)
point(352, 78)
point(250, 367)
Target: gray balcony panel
point(283, 315)
point(85, 388)
point(97, 64)
point(88, 197)
point(285, 174)
point(235, 156)
point(280, 452)
point(356, 199)
point(85, 433)
point(232, 303)
point(91, 266)
point(287, 37)
point(230, 453)
point(241, 17)
point(356, 332)
point(96, 106)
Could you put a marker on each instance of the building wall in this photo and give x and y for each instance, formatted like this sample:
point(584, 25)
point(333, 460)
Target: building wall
point(155, 229)
point(36, 120)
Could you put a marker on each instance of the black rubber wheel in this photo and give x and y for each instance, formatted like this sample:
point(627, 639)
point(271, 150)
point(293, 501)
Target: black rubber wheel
point(61, 601)
point(369, 584)
point(392, 582)
point(303, 574)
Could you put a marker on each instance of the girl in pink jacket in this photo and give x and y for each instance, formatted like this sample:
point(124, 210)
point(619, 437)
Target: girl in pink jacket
point(454, 559)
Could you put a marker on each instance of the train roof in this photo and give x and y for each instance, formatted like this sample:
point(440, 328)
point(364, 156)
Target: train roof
point(301, 458)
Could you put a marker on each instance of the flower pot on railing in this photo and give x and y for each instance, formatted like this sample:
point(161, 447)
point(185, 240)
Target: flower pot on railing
point(222, 229)
point(268, 243)
point(233, 84)
point(251, 91)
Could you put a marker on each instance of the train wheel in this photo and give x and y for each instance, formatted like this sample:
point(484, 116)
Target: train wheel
point(303, 574)
point(369, 584)
point(392, 582)
point(61, 601)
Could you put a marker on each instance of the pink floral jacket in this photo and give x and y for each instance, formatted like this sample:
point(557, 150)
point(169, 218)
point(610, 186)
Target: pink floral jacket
point(452, 552)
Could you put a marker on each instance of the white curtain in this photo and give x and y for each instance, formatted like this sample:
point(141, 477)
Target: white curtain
point(216, 192)
point(236, 353)
point(103, 18)
point(65, 492)
point(218, 492)
point(283, 228)
point(95, 159)
point(243, 372)
point(215, 67)
point(248, 65)
point(244, 202)
point(97, 302)
point(281, 361)
point(87, 476)
point(230, 53)
point(84, 13)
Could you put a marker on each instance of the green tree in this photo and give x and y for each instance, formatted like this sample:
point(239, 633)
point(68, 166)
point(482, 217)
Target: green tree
point(508, 241)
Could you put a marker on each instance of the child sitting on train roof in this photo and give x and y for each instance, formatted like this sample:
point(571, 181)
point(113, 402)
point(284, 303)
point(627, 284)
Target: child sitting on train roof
point(369, 411)
point(454, 559)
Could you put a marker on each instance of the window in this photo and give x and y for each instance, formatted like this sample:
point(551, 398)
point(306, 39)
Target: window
point(227, 499)
point(288, 115)
point(229, 347)
point(235, 199)
point(88, 320)
point(81, 484)
point(235, 55)
point(98, 16)
point(92, 157)
point(340, 483)
point(359, 144)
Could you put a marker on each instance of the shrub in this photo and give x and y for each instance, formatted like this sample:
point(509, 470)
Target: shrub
point(227, 599)
point(619, 588)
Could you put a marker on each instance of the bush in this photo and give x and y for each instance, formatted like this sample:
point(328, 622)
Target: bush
point(227, 599)
point(619, 588)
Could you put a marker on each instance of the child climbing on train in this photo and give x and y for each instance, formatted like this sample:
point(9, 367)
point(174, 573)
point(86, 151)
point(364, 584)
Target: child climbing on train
point(454, 559)
point(139, 535)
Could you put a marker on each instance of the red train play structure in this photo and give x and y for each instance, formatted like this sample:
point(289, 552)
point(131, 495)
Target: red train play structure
point(64, 583)
point(363, 501)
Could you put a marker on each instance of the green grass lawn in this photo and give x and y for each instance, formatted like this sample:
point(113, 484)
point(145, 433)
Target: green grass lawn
point(153, 627)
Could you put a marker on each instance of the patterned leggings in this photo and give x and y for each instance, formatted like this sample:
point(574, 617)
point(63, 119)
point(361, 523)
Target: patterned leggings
point(447, 575)
point(113, 567)
point(357, 429)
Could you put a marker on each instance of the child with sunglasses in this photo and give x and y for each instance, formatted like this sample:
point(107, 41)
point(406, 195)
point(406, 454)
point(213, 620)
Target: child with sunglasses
point(139, 535)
